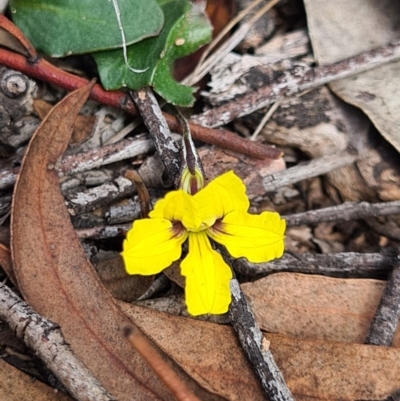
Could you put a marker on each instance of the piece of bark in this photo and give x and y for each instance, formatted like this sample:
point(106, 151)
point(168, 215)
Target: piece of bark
point(124, 212)
point(102, 195)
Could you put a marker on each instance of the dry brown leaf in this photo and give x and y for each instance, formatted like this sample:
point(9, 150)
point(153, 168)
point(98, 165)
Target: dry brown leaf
point(311, 306)
point(83, 125)
point(314, 370)
point(342, 29)
point(209, 353)
point(110, 268)
point(55, 277)
point(18, 386)
point(334, 371)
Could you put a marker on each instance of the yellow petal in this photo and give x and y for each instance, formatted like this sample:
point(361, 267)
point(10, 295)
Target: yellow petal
point(259, 238)
point(151, 246)
point(207, 278)
point(179, 206)
point(221, 196)
point(171, 207)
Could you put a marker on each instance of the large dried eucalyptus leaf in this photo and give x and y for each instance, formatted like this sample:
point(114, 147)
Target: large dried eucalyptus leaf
point(343, 29)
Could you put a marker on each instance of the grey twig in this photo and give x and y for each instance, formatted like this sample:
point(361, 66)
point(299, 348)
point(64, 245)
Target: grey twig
point(384, 323)
point(347, 211)
point(313, 168)
point(256, 347)
point(292, 83)
point(45, 338)
point(158, 129)
point(89, 160)
point(346, 264)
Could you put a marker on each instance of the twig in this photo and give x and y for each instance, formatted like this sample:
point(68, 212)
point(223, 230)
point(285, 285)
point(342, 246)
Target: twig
point(158, 129)
point(205, 66)
point(313, 168)
point(45, 338)
point(91, 159)
point(347, 211)
point(347, 264)
point(291, 83)
point(143, 193)
point(226, 140)
point(265, 119)
point(103, 232)
point(47, 72)
point(172, 381)
point(385, 321)
point(101, 195)
point(256, 347)
point(388, 229)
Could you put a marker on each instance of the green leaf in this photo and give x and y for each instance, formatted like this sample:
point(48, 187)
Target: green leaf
point(186, 28)
point(63, 27)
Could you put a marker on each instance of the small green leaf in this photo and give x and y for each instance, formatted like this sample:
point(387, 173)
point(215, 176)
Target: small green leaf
point(186, 28)
point(63, 27)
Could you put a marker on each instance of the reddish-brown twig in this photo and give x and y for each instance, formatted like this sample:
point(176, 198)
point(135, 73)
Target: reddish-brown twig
point(43, 70)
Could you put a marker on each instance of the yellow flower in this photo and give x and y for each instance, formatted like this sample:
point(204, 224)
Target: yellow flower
point(218, 211)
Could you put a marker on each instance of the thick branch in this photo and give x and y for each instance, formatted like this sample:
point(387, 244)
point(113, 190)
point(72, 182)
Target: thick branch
point(45, 338)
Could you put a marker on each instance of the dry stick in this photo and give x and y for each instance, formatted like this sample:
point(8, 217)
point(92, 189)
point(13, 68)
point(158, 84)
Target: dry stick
point(45, 338)
point(347, 211)
point(47, 72)
point(291, 83)
point(315, 167)
point(91, 159)
point(205, 65)
point(173, 382)
point(346, 264)
point(158, 128)
point(256, 346)
point(384, 323)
